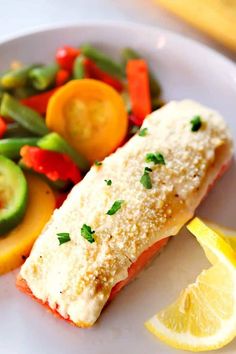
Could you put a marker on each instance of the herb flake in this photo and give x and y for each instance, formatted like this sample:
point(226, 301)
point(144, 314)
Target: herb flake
point(196, 123)
point(145, 180)
point(108, 182)
point(87, 233)
point(115, 207)
point(143, 132)
point(157, 158)
point(63, 237)
point(97, 163)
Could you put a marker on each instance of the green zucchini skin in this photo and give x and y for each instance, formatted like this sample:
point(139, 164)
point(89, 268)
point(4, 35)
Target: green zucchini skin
point(13, 195)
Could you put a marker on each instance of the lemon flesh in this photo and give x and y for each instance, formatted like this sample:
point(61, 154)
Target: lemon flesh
point(227, 234)
point(204, 315)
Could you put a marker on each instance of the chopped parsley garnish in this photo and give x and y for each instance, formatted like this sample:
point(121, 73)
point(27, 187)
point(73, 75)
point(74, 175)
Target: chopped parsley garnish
point(147, 169)
point(196, 123)
point(97, 163)
point(87, 233)
point(115, 207)
point(143, 132)
point(146, 179)
point(108, 182)
point(157, 158)
point(63, 237)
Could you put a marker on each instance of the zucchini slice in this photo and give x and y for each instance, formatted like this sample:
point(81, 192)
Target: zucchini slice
point(13, 194)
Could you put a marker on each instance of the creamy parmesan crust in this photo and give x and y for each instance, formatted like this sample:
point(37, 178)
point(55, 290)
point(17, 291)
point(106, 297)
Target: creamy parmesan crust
point(76, 278)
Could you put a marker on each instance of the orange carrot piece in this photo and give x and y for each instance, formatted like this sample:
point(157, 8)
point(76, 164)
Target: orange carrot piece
point(138, 86)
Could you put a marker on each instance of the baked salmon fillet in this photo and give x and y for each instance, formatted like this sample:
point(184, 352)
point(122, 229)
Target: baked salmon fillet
point(112, 229)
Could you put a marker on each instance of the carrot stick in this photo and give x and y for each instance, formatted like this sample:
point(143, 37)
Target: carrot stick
point(138, 86)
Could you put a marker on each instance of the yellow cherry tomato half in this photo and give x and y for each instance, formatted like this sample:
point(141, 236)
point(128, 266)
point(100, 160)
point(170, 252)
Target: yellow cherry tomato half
point(90, 115)
point(15, 245)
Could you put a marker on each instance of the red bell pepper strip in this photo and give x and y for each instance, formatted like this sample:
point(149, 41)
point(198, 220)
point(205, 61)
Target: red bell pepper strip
point(65, 57)
point(54, 165)
point(134, 120)
point(95, 73)
point(3, 127)
point(62, 77)
point(138, 86)
point(39, 102)
point(60, 198)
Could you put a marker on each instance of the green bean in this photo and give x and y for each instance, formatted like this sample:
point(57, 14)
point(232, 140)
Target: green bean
point(15, 130)
point(43, 77)
point(55, 142)
point(2, 90)
point(129, 54)
point(157, 103)
point(15, 78)
point(59, 184)
point(1, 95)
point(1, 75)
point(25, 116)
point(127, 102)
point(78, 67)
point(155, 87)
point(104, 62)
point(11, 147)
point(24, 92)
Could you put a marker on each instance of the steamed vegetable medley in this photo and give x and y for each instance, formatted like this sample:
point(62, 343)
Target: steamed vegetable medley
point(57, 120)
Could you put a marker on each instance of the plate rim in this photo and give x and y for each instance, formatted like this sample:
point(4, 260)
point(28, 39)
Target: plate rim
point(125, 25)
point(225, 62)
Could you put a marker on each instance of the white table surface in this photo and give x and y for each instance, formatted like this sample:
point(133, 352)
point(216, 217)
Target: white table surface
point(22, 15)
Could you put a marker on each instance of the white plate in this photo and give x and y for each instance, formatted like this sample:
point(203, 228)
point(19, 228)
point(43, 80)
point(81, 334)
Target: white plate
point(186, 70)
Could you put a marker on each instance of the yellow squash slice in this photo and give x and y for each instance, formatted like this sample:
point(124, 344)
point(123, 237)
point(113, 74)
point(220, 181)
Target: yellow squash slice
point(16, 244)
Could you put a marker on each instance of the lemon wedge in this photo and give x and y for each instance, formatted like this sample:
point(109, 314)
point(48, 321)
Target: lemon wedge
point(204, 315)
point(227, 234)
